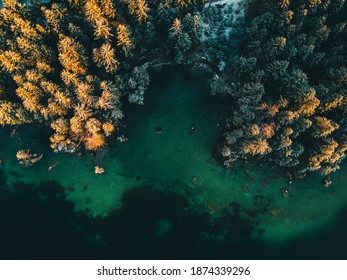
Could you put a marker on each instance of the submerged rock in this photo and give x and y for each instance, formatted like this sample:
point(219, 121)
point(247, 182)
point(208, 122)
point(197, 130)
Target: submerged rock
point(265, 182)
point(54, 164)
point(159, 130)
point(226, 152)
point(195, 180)
point(191, 129)
point(13, 132)
point(275, 212)
point(284, 192)
point(299, 175)
point(122, 139)
point(99, 170)
point(326, 182)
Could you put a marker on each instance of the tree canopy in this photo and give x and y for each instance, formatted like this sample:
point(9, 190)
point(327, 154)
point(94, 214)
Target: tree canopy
point(288, 86)
point(69, 63)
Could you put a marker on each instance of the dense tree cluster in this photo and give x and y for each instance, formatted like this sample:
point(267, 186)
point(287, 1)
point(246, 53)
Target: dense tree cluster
point(68, 63)
point(289, 86)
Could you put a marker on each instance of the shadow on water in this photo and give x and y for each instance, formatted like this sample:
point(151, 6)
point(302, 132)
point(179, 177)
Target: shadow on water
point(32, 228)
point(156, 225)
point(37, 223)
point(150, 225)
point(328, 243)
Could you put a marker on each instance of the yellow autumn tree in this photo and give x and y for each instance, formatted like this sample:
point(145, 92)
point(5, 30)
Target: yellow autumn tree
point(93, 125)
point(314, 3)
point(108, 8)
point(106, 100)
point(307, 104)
point(123, 39)
point(267, 130)
point(7, 113)
point(285, 142)
point(253, 130)
point(335, 103)
point(92, 11)
point(30, 95)
point(323, 127)
point(94, 141)
point(54, 16)
point(284, 4)
point(11, 61)
point(102, 29)
point(57, 94)
point(69, 78)
point(77, 125)
point(71, 55)
point(84, 92)
point(325, 155)
point(138, 9)
point(83, 112)
point(108, 128)
point(105, 57)
point(256, 147)
point(61, 130)
point(96, 16)
point(176, 27)
point(182, 3)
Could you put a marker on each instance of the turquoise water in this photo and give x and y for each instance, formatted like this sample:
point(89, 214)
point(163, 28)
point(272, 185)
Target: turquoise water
point(163, 195)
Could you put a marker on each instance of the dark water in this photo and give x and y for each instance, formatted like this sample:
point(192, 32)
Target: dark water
point(35, 229)
point(145, 206)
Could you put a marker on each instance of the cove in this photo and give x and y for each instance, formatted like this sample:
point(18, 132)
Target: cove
point(166, 195)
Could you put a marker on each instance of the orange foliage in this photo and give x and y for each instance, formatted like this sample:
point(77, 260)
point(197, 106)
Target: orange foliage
point(108, 128)
point(256, 147)
point(94, 142)
point(268, 130)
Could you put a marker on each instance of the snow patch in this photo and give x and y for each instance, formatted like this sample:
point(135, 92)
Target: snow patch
point(220, 17)
point(221, 2)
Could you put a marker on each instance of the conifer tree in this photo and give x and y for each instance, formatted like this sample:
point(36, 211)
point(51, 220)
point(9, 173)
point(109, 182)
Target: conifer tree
point(124, 40)
point(105, 57)
point(71, 55)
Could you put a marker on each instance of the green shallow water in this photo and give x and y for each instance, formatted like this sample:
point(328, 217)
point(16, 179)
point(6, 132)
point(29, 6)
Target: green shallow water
point(146, 197)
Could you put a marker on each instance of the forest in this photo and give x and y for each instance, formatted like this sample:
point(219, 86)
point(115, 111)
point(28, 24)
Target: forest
point(288, 84)
point(280, 64)
point(68, 64)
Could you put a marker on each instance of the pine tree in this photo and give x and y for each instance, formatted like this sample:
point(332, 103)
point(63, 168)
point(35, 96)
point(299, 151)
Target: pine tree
point(105, 57)
point(138, 8)
point(94, 141)
point(102, 29)
point(7, 114)
point(55, 17)
point(93, 125)
point(124, 40)
point(108, 8)
point(83, 112)
point(182, 3)
point(256, 147)
point(307, 104)
point(324, 127)
point(108, 128)
point(11, 61)
point(71, 55)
